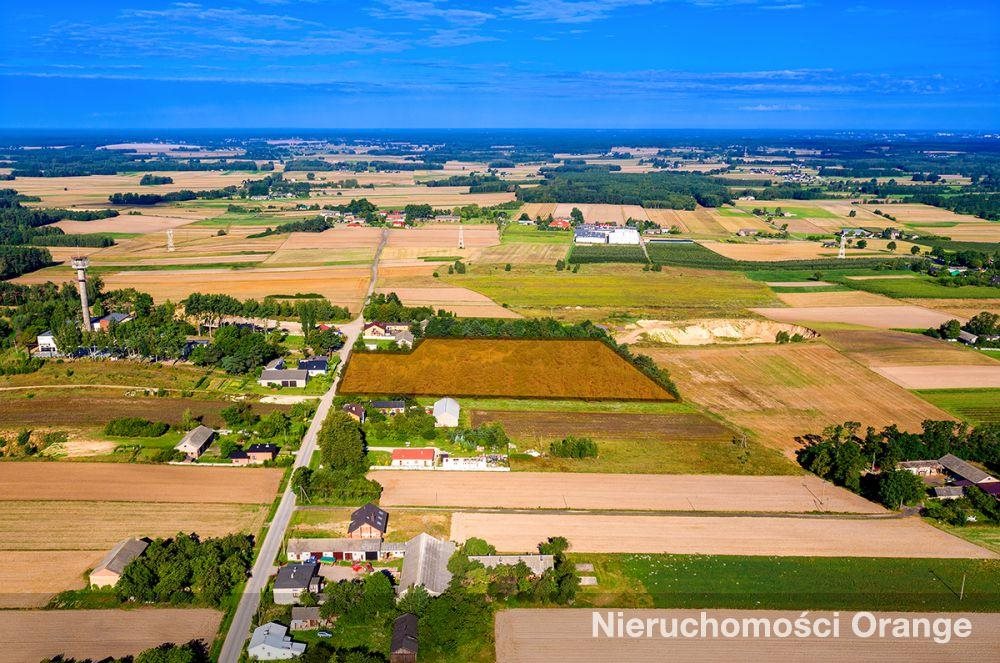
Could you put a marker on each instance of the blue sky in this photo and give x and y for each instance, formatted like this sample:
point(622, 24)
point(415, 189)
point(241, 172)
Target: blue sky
point(520, 63)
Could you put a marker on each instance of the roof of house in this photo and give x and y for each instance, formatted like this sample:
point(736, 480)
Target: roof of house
point(446, 406)
point(403, 335)
point(426, 563)
point(538, 564)
point(314, 364)
point(948, 491)
point(278, 363)
point(295, 576)
point(918, 463)
point(304, 546)
point(989, 487)
point(956, 465)
point(369, 514)
point(115, 317)
point(238, 454)
point(284, 374)
point(387, 405)
point(354, 408)
point(304, 613)
point(404, 634)
point(262, 448)
point(272, 634)
point(195, 439)
point(118, 557)
point(425, 453)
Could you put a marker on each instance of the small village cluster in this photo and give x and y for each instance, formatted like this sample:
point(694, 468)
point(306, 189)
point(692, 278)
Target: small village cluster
point(949, 476)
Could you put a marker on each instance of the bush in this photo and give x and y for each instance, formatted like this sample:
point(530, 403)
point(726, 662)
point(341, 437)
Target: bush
point(574, 447)
point(135, 427)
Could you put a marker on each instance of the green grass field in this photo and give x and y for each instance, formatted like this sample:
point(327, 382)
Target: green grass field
point(598, 292)
point(230, 219)
point(516, 233)
point(803, 212)
point(922, 287)
point(973, 405)
point(791, 583)
point(987, 536)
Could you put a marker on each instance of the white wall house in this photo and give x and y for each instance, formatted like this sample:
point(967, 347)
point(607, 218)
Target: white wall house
point(269, 643)
point(47, 343)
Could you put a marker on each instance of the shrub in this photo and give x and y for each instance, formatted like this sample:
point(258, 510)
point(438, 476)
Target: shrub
point(135, 427)
point(574, 447)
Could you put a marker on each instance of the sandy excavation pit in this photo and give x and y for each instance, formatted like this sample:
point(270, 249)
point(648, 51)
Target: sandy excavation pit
point(710, 332)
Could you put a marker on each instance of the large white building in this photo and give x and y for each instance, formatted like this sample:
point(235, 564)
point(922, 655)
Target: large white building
point(269, 643)
point(590, 234)
point(446, 413)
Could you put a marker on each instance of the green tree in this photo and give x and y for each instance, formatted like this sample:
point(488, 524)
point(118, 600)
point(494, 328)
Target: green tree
point(341, 445)
point(951, 329)
point(897, 488)
point(576, 216)
point(914, 250)
point(891, 246)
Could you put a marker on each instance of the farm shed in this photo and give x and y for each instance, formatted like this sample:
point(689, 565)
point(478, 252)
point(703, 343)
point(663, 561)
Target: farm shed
point(368, 522)
point(403, 646)
point(315, 366)
point(446, 411)
point(269, 643)
point(538, 564)
point(335, 550)
point(108, 572)
point(293, 580)
point(305, 619)
point(195, 441)
point(960, 469)
point(283, 377)
point(426, 564)
point(414, 459)
point(390, 407)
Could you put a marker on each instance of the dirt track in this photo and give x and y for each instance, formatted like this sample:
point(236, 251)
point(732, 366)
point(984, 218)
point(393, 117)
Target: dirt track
point(31, 635)
point(529, 490)
point(717, 535)
point(529, 636)
point(137, 483)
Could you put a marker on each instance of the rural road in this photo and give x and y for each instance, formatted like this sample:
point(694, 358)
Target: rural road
point(239, 629)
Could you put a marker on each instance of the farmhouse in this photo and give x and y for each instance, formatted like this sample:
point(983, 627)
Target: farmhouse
point(293, 580)
point(414, 459)
point(959, 469)
point(255, 454)
point(275, 374)
point(307, 619)
point(948, 492)
point(538, 564)
point(466, 463)
point(383, 331)
point(426, 564)
point(403, 646)
point(368, 522)
point(47, 344)
point(447, 218)
point(104, 323)
point(390, 407)
point(342, 550)
point(922, 468)
point(446, 411)
point(356, 411)
point(269, 643)
point(107, 573)
point(194, 442)
point(560, 224)
point(315, 366)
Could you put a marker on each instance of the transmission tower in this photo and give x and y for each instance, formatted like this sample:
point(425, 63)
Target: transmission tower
point(843, 246)
point(170, 239)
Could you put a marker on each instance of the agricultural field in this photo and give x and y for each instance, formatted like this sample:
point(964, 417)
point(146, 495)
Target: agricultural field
point(602, 214)
point(585, 253)
point(516, 233)
point(34, 635)
point(942, 377)
point(92, 191)
point(604, 492)
point(960, 308)
point(598, 292)
point(973, 405)
point(775, 250)
point(885, 347)
point(130, 374)
point(780, 392)
point(881, 317)
point(718, 535)
point(513, 368)
point(460, 301)
point(86, 508)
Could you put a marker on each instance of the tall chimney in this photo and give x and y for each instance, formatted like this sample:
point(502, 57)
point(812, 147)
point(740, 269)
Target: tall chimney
point(80, 265)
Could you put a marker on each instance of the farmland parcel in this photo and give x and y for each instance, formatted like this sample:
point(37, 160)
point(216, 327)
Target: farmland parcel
point(513, 368)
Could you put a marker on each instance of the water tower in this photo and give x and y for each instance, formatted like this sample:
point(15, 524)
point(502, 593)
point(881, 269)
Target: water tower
point(80, 264)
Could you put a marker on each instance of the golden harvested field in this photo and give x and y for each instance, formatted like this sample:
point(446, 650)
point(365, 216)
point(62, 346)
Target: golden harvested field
point(628, 492)
point(541, 636)
point(772, 250)
point(959, 308)
point(596, 213)
point(984, 231)
point(880, 317)
point(79, 525)
point(93, 190)
point(33, 635)
point(335, 238)
point(894, 348)
point(146, 223)
point(519, 253)
point(512, 368)
point(535, 210)
point(444, 236)
point(942, 377)
point(27, 583)
point(717, 535)
point(841, 298)
point(344, 286)
point(461, 301)
point(920, 213)
point(438, 197)
point(548, 426)
point(131, 483)
point(781, 392)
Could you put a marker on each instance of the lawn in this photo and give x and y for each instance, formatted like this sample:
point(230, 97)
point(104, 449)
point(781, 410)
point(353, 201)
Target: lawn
point(973, 405)
point(105, 372)
point(598, 292)
point(791, 583)
point(922, 287)
point(515, 232)
point(809, 212)
point(987, 536)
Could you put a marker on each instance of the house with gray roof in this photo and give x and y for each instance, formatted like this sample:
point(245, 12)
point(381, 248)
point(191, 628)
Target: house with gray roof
point(537, 564)
point(109, 571)
point(368, 522)
point(293, 580)
point(425, 563)
point(403, 645)
point(269, 643)
point(195, 442)
point(960, 469)
point(276, 375)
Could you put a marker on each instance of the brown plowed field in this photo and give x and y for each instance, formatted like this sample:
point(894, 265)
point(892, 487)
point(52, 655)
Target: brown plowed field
point(137, 483)
point(942, 377)
point(439, 235)
point(852, 298)
point(542, 636)
point(641, 492)
point(613, 426)
point(510, 368)
point(785, 391)
point(717, 535)
point(33, 635)
point(882, 317)
point(894, 348)
point(29, 580)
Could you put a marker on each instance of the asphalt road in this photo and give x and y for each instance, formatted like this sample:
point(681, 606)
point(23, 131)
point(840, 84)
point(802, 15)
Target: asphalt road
point(239, 629)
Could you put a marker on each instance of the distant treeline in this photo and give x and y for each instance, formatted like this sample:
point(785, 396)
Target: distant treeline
point(153, 180)
point(316, 224)
point(320, 165)
point(80, 161)
point(654, 190)
point(984, 205)
point(477, 183)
